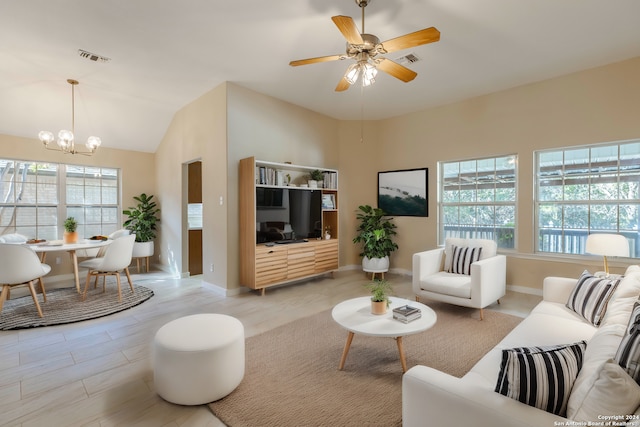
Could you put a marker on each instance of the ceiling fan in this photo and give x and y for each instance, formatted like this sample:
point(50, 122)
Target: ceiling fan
point(365, 48)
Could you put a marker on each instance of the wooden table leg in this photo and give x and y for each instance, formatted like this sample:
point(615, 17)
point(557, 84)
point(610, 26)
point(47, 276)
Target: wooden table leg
point(74, 262)
point(346, 350)
point(401, 351)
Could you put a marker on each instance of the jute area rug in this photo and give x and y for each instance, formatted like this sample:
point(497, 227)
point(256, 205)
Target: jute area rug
point(65, 306)
point(292, 376)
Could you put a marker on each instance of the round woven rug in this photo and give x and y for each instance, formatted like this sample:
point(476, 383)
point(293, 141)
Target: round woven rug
point(66, 306)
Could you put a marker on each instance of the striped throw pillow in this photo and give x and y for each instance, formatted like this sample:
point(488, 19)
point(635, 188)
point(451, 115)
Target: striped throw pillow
point(628, 355)
point(462, 258)
point(590, 296)
point(541, 376)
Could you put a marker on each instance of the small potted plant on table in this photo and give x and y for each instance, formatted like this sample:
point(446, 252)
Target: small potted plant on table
point(70, 234)
point(380, 290)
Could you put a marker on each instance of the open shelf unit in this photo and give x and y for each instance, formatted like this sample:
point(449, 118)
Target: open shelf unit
point(264, 264)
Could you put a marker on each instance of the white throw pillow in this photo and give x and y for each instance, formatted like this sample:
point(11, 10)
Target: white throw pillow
point(14, 238)
point(624, 298)
point(613, 392)
point(601, 347)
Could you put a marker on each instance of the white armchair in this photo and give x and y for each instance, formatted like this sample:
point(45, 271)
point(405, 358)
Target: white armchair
point(435, 276)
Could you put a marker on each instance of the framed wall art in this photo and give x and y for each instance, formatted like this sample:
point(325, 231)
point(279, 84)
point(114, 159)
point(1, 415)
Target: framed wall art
point(403, 192)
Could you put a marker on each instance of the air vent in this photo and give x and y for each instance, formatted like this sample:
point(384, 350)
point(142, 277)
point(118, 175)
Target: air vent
point(409, 58)
point(92, 56)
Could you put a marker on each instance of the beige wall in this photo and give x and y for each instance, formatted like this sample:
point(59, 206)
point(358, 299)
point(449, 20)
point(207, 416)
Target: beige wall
point(220, 128)
point(197, 132)
point(231, 122)
point(137, 171)
point(271, 130)
point(592, 106)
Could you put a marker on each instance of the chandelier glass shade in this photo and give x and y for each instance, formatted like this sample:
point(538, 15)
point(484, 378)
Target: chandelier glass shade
point(65, 142)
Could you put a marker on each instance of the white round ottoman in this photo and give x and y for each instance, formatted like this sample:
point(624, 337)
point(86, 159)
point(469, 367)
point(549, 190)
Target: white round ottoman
point(198, 358)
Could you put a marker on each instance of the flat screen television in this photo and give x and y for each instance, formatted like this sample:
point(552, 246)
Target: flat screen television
point(285, 215)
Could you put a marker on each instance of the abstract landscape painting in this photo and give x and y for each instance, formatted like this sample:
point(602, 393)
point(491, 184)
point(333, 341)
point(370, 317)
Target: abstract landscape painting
point(403, 192)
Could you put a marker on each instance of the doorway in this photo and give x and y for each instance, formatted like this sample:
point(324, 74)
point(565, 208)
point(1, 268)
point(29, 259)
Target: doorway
point(194, 209)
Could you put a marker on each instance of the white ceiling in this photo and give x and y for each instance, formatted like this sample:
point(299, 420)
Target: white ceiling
point(166, 53)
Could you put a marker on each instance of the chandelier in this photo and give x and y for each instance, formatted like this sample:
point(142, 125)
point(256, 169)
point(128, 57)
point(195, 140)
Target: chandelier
point(66, 138)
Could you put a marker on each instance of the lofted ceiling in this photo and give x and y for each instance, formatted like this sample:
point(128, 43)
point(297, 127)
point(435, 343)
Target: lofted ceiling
point(166, 53)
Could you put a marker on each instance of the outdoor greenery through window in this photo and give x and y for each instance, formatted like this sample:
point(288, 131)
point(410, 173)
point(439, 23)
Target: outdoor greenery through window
point(37, 197)
point(588, 189)
point(478, 199)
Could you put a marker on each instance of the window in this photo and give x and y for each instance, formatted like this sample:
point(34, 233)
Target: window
point(33, 204)
point(581, 190)
point(477, 199)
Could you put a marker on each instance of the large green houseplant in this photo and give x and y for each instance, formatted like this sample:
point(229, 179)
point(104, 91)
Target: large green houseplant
point(375, 232)
point(141, 221)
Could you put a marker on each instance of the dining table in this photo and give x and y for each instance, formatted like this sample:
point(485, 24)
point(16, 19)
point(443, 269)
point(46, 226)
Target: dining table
point(43, 248)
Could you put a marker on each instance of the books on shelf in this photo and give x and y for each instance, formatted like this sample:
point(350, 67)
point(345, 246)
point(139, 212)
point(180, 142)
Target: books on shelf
point(406, 313)
point(330, 180)
point(266, 175)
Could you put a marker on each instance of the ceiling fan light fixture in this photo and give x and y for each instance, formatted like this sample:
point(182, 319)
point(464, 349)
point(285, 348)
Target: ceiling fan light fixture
point(352, 74)
point(369, 72)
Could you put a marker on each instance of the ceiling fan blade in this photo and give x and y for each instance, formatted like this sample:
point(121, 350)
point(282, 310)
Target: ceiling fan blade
point(314, 60)
point(428, 35)
point(348, 29)
point(343, 85)
point(396, 70)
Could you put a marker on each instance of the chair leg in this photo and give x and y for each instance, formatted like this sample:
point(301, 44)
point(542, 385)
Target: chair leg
point(417, 298)
point(498, 301)
point(119, 287)
point(126, 271)
point(4, 295)
point(481, 314)
point(86, 285)
point(44, 293)
point(35, 298)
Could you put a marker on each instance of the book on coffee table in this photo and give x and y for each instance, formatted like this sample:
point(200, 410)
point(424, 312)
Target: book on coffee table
point(406, 313)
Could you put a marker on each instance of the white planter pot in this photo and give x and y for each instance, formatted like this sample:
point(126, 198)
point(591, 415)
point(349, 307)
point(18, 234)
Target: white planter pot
point(375, 265)
point(142, 249)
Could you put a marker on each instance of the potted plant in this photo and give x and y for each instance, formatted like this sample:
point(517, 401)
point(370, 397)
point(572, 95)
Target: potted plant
point(142, 221)
point(375, 232)
point(316, 179)
point(70, 234)
point(380, 291)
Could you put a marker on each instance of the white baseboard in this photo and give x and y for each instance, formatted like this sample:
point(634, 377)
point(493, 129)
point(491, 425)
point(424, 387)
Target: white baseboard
point(525, 290)
point(219, 290)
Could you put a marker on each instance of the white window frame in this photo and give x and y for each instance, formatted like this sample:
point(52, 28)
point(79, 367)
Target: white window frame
point(505, 237)
point(62, 207)
point(553, 236)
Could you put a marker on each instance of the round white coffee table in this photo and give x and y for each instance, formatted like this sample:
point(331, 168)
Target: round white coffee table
point(355, 316)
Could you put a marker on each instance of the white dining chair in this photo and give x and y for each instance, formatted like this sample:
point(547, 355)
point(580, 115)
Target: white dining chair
point(116, 259)
point(19, 265)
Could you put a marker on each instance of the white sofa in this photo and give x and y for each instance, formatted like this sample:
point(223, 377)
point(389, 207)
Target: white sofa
point(434, 398)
